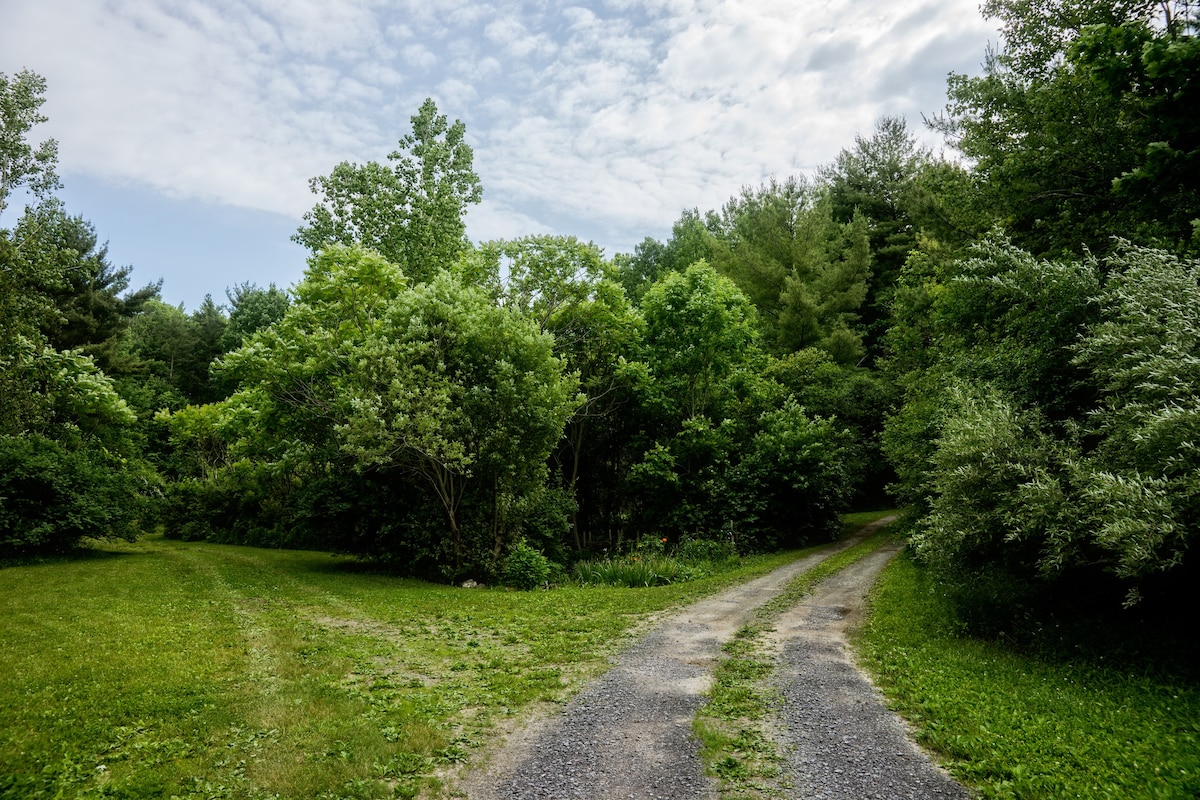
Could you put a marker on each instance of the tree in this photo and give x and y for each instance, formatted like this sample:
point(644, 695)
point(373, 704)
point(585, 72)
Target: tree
point(471, 399)
point(1050, 435)
point(998, 318)
point(408, 423)
point(93, 306)
point(411, 213)
point(653, 260)
point(69, 462)
point(1082, 127)
point(879, 178)
point(172, 351)
point(22, 164)
point(700, 328)
point(69, 467)
point(252, 308)
point(567, 288)
point(1142, 354)
point(806, 274)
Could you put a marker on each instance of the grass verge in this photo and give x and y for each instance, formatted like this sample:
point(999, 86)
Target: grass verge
point(1018, 723)
point(737, 748)
point(192, 670)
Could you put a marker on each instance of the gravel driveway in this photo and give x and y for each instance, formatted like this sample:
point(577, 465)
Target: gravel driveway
point(628, 735)
point(840, 741)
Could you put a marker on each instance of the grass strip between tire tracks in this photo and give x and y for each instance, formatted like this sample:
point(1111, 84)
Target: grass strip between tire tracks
point(732, 727)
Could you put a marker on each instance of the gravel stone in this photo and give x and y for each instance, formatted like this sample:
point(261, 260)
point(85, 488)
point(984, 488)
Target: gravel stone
point(629, 734)
point(839, 739)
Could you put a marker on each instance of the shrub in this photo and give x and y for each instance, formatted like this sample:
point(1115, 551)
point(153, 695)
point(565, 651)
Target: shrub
point(636, 572)
point(526, 568)
point(53, 494)
point(700, 551)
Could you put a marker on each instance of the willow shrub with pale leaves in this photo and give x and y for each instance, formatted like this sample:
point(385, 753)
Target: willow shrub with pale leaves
point(1019, 480)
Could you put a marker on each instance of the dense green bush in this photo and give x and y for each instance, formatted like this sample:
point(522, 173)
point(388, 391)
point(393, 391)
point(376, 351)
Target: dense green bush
point(69, 467)
point(526, 568)
point(700, 551)
point(1060, 451)
point(52, 495)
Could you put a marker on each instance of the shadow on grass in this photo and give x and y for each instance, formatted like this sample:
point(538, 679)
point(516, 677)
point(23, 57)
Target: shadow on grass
point(1082, 620)
point(76, 555)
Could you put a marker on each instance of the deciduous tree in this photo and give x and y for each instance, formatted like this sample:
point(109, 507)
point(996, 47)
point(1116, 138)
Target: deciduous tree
point(410, 212)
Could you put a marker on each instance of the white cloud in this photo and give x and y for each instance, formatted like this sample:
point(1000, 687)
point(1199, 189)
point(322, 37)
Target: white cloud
point(610, 117)
point(418, 55)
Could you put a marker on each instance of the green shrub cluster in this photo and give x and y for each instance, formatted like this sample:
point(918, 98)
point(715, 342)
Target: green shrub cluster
point(1055, 447)
point(649, 564)
point(526, 568)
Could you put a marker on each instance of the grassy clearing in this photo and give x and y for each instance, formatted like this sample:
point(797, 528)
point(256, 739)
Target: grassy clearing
point(732, 727)
point(1049, 722)
point(192, 670)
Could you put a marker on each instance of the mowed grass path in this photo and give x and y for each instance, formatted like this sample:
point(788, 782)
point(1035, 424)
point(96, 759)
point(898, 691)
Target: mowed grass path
point(191, 670)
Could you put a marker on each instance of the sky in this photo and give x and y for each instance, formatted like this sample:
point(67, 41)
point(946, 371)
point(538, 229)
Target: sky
point(188, 129)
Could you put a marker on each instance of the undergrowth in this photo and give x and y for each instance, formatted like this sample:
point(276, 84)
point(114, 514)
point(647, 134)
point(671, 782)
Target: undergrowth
point(651, 563)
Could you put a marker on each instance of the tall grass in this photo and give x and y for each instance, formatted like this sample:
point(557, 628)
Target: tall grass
point(650, 564)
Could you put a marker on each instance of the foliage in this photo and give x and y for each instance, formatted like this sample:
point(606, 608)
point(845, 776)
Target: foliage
point(53, 495)
point(21, 163)
point(806, 274)
point(1081, 128)
point(526, 568)
point(701, 551)
point(71, 463)
point(636, 571)
point(70, 469)
point(880, 179)
point(369, 388)
point(700, 329)
point(1048, 437)
point(251, 308)
point(793, 479)
point(651, 260)
point(93, 308)
point(854, 401)
point(567, 288)
point(168, 353)
point(1142, 354)
point(717, 429)
point(411, 213)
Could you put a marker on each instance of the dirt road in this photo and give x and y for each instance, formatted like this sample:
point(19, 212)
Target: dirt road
point(839, 740)
point(629, 734)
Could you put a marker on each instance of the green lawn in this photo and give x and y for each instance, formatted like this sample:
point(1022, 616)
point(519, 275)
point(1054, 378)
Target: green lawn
point(162, 669)
point(1033, 722)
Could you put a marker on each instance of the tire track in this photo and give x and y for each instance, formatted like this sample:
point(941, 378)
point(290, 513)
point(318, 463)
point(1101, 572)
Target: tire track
point(629, 734)
point(840, 741)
